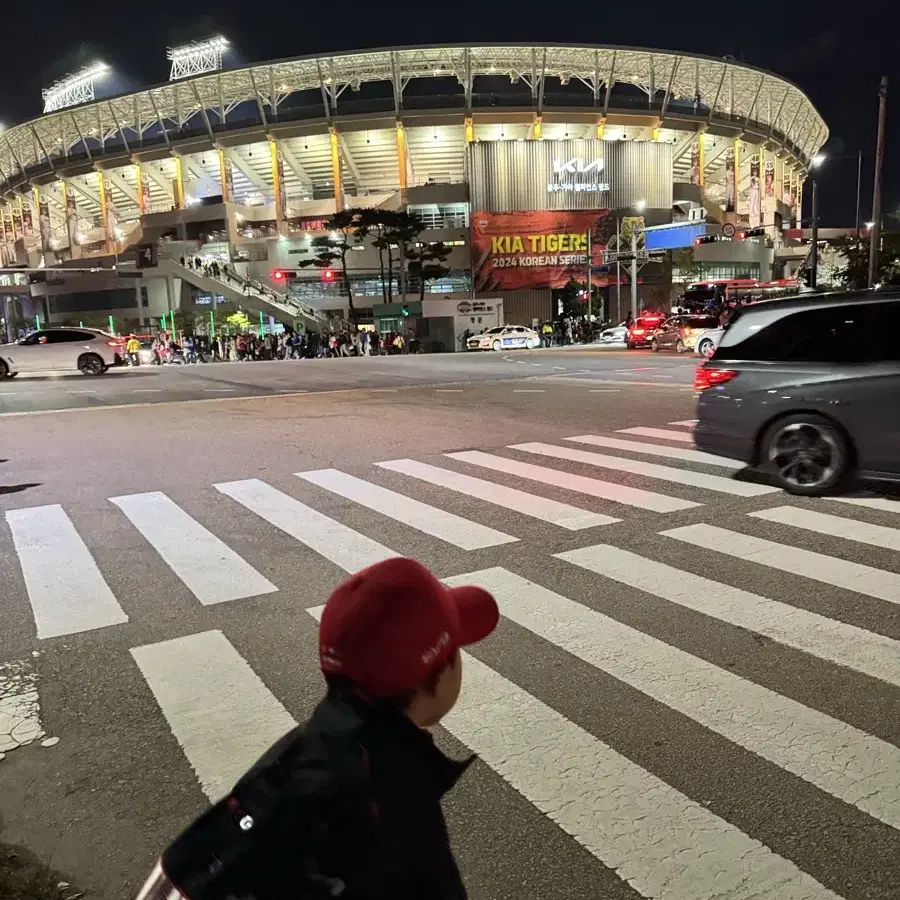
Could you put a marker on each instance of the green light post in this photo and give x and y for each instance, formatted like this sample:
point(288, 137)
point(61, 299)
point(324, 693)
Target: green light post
point(262, 327)
point(212, 325)
point(112, 325)
point(37, 322)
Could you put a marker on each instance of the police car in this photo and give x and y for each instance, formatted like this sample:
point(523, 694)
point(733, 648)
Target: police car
point(506, 337)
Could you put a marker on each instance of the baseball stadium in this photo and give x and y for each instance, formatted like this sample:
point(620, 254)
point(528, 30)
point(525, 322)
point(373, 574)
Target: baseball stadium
point(532, 164)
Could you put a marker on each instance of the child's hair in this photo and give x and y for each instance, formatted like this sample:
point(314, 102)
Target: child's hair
point(398, 702)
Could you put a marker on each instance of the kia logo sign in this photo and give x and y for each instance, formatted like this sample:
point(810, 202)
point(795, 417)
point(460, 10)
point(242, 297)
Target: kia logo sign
point(464, 308)
point(576, 166)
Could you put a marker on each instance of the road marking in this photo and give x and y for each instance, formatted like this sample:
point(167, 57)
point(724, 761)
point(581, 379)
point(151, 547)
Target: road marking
point(218, 390)
point(659, 433)
point(147, 391)
point(346, 548)
point(560, 368)
point(212, 571)
point(687, 423)
point(384, 390)
point(67, 592)
point(448, 390)
point(884, 504)
point(696, 456)
point(835, 526)
point(571, 518)
point(834, 641)
point(649, 470)
point(81, 392)
point(438, 523)
point(837, 758)
point(20, 705)
point(538, 365)
point(605, 490)
point(793, 560)
point(529, 391)
point(604, 391)
point(630, 820)
point(290, 391)
point(218, 708)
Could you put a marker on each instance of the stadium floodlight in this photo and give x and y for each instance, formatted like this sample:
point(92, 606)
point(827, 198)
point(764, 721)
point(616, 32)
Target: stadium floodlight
point(197, 57)
point(74, 89)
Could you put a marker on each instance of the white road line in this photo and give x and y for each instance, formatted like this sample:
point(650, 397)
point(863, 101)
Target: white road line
point(647, 832)
point(560, 368)
point(884, 504)
point(218, 708)
point(649, 470)
point(836, 526)
point(697, 456)
point(845, 645)
point(212, 571)
point(661, 433)
point(842, 760)
point(82, 392)
point(793, 560)
point(529, 391)
point(593, 487)
point(687, 423)
point(147, 391)
point(555, 513)
point(605, 391)
point(218, 390)
point(67, 591)
point(438, 523)
point(448, 390)
point(346, 548)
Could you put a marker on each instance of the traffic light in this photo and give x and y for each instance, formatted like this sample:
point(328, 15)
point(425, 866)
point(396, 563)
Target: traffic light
point(404, 311)
point(706, 239)
point(328, 275)
point(745, 233)
point(284, 274)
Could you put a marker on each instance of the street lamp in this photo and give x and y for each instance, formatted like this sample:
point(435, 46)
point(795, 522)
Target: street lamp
point(814, 164)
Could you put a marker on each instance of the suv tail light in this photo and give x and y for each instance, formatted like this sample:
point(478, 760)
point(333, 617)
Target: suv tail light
point(637, 330)
point(706, 378)
point(115, 343)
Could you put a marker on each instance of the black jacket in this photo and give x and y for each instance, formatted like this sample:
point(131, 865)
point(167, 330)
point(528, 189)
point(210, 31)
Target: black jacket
point(373, 781)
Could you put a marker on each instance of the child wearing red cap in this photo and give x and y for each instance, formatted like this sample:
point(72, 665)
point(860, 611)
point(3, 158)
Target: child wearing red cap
point(364, 768)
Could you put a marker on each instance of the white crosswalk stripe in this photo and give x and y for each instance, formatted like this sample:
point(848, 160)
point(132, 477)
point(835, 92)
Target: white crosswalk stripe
point(836, 526)
point(687, 423)
point(438, 523)
point(339, 544)
point(605, 490)
point(632, 821)
point(846, 645)
point(66, 589)
point(223, 723)
point(662, 433)
point(642, 447)
point(793, 560)
point(648, 470)
point(883, 504)
point(572, 518)
point(213, 572)
point(839, 759)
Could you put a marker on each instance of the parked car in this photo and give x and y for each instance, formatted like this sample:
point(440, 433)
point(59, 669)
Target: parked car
point(618, 334)
point(680, 332)
point(85, 350)
point(505, 337)
point(807, 389)
point(642, 330)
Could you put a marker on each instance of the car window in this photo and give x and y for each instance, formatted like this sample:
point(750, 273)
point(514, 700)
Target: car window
point(853, 333)
point(32, 339)
point(494, 330)
point(68, 337)
point(702, 321)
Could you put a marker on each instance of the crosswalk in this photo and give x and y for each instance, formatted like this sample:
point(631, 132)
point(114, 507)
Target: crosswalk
point(588, 605)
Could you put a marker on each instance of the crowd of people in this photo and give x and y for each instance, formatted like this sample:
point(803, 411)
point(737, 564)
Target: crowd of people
point(168, 348)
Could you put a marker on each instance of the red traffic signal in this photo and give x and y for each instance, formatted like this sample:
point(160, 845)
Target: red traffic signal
point(283, 275)
point(328, 275)
point(278, 275)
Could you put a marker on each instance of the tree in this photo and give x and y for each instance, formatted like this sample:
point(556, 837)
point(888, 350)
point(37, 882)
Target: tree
point(238, 322)
point(391, 232)
point(332, 248)
point(854, 274)
point(426, 263)
point(573, 297)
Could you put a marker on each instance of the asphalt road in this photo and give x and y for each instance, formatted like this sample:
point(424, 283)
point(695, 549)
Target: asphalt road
point(693, 693)
point(218, 381)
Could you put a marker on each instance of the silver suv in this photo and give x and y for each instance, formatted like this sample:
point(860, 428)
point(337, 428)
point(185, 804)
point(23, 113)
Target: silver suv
point(807, 389)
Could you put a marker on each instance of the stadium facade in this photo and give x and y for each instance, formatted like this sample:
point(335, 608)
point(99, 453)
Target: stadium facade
point(509, 153)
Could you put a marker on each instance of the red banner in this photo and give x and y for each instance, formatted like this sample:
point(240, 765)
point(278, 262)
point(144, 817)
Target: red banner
point(536, 250)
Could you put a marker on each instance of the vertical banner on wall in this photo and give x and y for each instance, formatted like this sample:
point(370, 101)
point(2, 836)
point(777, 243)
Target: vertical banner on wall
point(786, 176)
point(730, 182)
point(104, 206)
point(224, 179)
point(43, 220)
point(71, 219)
point(27, 217)
point(695, 163)
point(282, 187)
point(795, 194)
point(769, 205)
point(18, 234)
point(9, 235)
point(754, 196)
point(144, 189)
point(178, 184)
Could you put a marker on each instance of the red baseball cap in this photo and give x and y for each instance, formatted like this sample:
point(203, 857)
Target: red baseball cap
point(387, 627)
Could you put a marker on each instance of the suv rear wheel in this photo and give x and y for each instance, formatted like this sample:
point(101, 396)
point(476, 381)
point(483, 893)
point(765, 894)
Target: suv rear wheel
point(654, 345)
point(91, 364)
point(806, 454)
point(4, 369)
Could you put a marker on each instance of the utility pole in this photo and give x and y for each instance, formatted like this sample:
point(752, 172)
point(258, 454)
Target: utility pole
point(634, 271)
point(590, 261)
point(875, 239)
point(814, 249)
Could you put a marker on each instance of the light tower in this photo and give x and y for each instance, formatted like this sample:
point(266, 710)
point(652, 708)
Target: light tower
point(197, 57)
point(74, 90)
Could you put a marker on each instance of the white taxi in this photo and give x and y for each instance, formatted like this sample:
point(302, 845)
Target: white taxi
point(505, 337)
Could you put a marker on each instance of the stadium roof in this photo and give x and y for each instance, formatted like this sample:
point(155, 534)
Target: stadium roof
point(718, 92)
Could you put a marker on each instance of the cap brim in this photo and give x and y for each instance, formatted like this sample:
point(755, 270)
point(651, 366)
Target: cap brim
point(478, 613)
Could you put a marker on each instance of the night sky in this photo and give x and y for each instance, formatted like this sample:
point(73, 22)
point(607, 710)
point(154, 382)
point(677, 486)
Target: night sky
point(835, 51)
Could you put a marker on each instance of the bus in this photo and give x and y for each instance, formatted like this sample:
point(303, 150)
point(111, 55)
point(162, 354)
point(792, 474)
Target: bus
point(735, 292)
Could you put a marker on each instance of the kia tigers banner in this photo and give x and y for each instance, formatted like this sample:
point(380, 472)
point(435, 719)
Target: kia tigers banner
point(536, 250)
